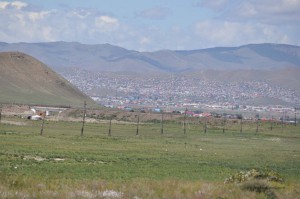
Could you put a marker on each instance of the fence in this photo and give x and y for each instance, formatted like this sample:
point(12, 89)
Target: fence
point(95, 122)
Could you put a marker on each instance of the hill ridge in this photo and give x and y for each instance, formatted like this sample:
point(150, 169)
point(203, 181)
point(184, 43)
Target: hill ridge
point(26, 80)
point(107, 57)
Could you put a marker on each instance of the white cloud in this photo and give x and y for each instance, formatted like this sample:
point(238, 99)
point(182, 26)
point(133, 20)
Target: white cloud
point(19, 5)
point(4, 4)
point(228, 33)
point(107, 20)
point(251, 21)
point(34, 16)
point(106, 23)
point(267, 11)
point(232, 28)
point(15, 4)
point(144, 40)
point(83, 25)
point(82, 14)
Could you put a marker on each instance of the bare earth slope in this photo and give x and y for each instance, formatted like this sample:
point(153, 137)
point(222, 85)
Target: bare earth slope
point(23, 79)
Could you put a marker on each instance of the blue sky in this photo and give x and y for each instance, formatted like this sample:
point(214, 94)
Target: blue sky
point(150, 25)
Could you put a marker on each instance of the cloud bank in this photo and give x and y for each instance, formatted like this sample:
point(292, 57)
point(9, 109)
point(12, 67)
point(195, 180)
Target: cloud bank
point(231, 23)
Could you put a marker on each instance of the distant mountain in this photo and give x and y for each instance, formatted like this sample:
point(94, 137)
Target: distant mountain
point(106, 57)
point(25, 80)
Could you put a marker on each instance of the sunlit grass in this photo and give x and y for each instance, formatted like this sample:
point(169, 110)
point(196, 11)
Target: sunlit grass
point(63, 164)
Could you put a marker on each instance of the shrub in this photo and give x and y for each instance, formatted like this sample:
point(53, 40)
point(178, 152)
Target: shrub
point(243, 176)
point(259, 186)
point(256, 186)
point(256, 181)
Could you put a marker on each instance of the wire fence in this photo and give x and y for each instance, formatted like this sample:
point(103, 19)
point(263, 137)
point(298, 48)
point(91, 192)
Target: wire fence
point(88, 122)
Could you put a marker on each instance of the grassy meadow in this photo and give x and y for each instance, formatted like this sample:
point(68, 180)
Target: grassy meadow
point(63, 164)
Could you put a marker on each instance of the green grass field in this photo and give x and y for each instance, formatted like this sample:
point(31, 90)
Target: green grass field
point(63, 164)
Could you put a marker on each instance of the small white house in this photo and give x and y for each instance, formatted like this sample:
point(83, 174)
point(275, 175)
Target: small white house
point(36, 117)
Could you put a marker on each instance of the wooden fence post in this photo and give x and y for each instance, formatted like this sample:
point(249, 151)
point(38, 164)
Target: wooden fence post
point(42, 128)
point(109, 130)
point(256, 125)
point(224, 123)
point(282, 121)
point(137, 124)
point(295, 116)
point(241, 121)
point(271, 128)
point(205, 126)
point(83, 119)
point(162, 122)
point(184, 122)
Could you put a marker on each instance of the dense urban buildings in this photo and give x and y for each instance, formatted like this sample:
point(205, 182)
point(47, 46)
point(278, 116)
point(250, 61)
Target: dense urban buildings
point(178, 91)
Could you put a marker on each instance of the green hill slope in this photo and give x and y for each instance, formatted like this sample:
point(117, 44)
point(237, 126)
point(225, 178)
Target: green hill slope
point(26, 80)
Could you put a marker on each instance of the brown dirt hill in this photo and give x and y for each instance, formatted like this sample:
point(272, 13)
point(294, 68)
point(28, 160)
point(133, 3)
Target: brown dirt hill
point(25, 80)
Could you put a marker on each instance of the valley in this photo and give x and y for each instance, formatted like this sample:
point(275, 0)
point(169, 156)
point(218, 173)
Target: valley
point(179, 91)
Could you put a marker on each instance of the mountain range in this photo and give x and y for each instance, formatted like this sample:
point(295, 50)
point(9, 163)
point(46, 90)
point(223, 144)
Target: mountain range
point(106, 57)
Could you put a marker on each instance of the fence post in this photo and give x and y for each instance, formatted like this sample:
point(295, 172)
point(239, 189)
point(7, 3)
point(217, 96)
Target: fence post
point(83, 119)
point(282, 121)
point(205, 125)
point(241, 129)
point(109, 130)
point(137, 124)
point(224, 123)
point(184, 122)
point(284, 118)
point(271, 128)
point(295, 116)
point(42, 128)
point(256, 125)
point(0, 114)
point(162, 122)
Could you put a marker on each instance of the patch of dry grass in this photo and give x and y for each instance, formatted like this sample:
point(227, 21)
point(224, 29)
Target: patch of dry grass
point(62, 164)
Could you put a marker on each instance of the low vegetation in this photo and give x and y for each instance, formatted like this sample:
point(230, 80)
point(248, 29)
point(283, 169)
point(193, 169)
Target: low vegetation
point(63, 164)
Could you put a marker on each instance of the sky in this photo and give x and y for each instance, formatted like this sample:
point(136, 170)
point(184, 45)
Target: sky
point(151, 25)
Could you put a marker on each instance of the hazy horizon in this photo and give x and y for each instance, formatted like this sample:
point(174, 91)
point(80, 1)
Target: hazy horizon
point(152, 25)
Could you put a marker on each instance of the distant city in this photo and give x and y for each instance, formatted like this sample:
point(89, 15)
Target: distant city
point(179, 91)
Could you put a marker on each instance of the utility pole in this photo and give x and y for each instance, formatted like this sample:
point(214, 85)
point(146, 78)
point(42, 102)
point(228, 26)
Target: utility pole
point(295, 116)
point(83, 119)
point(184, 122)
point(257, 125)
point(137, 124)
point(109, 130)
point(284, 118)
point(241, 129)
point(0, 114)
point(282, 121)
point(205, 125)
point(271, 128)
point(42, 128)
point(162, 122)
point(224, 123)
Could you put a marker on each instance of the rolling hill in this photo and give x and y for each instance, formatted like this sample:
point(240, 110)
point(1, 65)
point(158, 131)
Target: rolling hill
point(276, 64)
point(106, 57)
point(25, 80)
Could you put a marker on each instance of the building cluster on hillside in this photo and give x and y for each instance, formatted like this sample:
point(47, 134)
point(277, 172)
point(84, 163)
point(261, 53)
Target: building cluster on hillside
point(114, 89)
